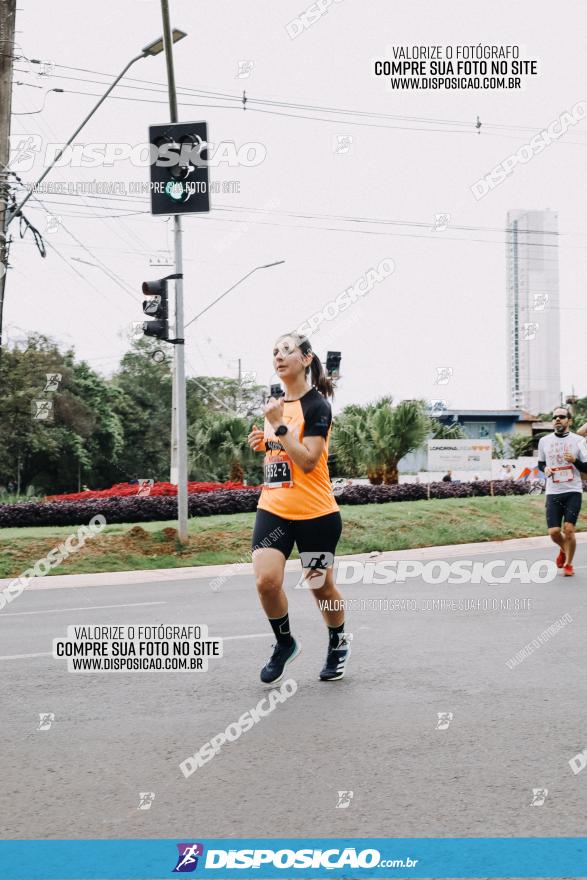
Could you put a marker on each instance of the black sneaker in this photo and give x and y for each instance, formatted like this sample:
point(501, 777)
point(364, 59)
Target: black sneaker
point(273, 670)
point(336, 660)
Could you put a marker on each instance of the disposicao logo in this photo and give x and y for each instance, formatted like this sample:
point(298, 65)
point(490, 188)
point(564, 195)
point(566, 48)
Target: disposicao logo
point(187, 859)
point(289, 858)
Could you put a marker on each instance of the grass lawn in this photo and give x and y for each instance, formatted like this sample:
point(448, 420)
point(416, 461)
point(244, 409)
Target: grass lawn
point(222, 539)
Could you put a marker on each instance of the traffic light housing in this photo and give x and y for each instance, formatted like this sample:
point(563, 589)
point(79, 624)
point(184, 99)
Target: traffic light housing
point(157, 307)
point(179, 170)
point(333, 363)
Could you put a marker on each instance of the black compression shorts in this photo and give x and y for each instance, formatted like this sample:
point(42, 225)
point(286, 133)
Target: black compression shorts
point(314, 536)
point(565, 506)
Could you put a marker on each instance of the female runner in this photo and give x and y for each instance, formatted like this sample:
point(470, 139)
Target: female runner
point(297, 505)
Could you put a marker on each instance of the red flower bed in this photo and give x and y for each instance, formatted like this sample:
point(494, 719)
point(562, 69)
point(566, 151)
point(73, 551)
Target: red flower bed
point(123, 490)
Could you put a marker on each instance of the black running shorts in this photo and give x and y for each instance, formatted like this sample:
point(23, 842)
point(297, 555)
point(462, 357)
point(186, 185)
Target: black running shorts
point(317, 535)
point(565, 506)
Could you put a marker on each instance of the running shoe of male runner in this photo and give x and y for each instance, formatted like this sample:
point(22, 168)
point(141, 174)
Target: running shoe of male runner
point(297, 505)
point(562, 456)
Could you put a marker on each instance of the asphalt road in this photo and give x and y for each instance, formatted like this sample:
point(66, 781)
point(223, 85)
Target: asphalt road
point(374, 733)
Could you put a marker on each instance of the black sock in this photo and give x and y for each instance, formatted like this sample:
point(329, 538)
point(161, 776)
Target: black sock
point(333, 634)
point(280, 626)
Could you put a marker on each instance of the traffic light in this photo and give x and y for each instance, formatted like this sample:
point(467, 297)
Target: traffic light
point(333, 363)
point(179, 170)
point(156, 306)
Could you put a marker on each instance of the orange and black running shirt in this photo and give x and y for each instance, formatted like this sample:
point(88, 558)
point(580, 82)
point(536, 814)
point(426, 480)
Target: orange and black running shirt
point(288, 492)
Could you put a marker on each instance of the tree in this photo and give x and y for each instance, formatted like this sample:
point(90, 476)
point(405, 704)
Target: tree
point(520, 444)
point(349, 437)
point(440, 431)
point(218, 394)
point(218, 449)
point(375, 438)
point(48, 453)
point(499, 448)
point(142, 402)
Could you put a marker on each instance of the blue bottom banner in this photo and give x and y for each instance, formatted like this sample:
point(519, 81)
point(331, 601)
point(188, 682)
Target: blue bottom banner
point(294, 857)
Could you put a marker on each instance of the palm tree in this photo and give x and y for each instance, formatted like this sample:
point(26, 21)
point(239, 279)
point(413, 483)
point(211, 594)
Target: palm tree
point(499, 450)
point(440, 431)
point(409, 428)
point(374, 438)
point(520, 444)
point(219, 448)
point(349, 439)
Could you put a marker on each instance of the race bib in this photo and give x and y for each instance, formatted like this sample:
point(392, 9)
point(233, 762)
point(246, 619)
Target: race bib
point(562, 474)
point(278, 473)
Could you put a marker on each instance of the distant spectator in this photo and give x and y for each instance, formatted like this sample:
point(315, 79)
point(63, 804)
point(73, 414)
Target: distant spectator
point(447, 477)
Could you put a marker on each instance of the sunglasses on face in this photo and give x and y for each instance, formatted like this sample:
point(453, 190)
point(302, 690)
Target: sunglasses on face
point(560, 418)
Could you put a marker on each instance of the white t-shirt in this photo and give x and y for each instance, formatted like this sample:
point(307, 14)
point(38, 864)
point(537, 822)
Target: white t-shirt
point(566, 477)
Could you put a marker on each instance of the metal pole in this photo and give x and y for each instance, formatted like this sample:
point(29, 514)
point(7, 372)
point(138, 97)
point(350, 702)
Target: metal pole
point(179, 418)
point(7, 20)
point(180, 392)
point(173, 457)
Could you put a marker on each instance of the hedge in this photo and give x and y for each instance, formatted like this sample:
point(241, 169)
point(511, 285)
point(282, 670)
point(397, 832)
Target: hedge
point(157, 508)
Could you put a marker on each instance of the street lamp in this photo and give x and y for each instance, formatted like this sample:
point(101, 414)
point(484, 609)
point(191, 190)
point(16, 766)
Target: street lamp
point(151, 49)
point(157, 46)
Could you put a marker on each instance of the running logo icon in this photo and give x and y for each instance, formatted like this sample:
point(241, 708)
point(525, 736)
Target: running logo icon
point(53, 381)
point(444, 719)
point(45, 720)
point(245, 69)
point(315, 565)
point(187, 860)
point(344, 800)
point(23, 151)
point(42, 410)
point(146, 798)
point(539, 795)
point(443, 375)
point(441, 222)
point(343, 145)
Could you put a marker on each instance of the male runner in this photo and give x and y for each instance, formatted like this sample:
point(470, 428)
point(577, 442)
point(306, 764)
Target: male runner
point(562, 455)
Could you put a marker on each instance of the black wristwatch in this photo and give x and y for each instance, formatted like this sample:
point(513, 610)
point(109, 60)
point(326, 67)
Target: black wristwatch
point(281, 430)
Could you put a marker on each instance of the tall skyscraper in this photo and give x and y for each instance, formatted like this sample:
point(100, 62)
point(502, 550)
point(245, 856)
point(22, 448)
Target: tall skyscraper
point(533, 317)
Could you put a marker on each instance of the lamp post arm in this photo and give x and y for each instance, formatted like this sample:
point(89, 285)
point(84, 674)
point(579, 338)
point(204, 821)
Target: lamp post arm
point(236, 284)
point(16, 210)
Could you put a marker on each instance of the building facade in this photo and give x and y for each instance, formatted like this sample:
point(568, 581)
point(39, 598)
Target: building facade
point(533, 316)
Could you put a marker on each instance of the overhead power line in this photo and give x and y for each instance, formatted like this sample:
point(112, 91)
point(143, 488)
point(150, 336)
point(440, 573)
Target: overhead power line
point(424, 123)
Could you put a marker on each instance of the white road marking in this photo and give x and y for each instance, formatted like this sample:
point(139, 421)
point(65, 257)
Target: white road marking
point(86, 608)
point(49, 654)
point(25, 656)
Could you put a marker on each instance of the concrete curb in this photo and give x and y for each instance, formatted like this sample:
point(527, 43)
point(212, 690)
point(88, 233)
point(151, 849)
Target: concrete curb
point(209, 572)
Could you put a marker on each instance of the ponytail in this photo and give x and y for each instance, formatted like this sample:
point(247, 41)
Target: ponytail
point(319, 379)
point(314, 371)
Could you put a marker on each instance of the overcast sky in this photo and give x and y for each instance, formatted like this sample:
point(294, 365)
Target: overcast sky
point(444, 306)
